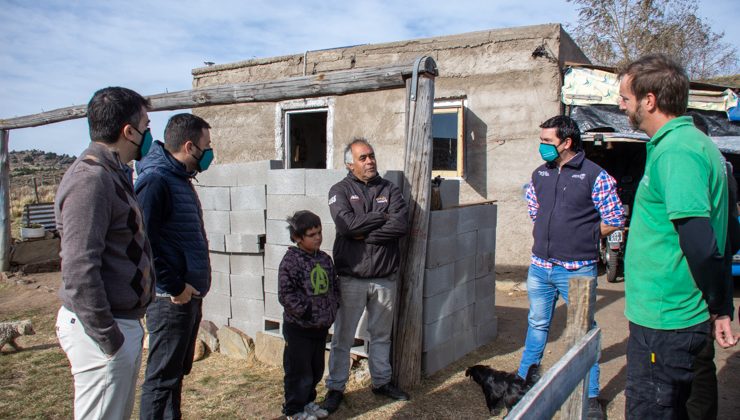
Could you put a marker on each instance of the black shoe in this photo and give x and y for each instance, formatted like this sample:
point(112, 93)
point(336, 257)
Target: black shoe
point(332, 400)
point(391, 391)
point(594, 410)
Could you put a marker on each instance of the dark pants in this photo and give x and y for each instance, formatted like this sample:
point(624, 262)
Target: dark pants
point(303, 362)
point(173, 330)
point(702, 404)
point(660, 367)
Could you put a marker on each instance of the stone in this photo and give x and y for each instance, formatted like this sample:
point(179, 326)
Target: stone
point(200, 350)
point(208, 333)
point(37, 251)
point(269, 348)
point(235, 344)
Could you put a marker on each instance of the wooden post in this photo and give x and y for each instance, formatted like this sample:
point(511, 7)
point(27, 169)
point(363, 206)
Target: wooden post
point(407, 342)
point(581, 309)
point(5, 237)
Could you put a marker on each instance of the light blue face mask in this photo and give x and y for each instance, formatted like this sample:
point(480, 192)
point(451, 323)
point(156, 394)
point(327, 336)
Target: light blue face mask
point(205, 158)
point(549, 152)
point(146, 142)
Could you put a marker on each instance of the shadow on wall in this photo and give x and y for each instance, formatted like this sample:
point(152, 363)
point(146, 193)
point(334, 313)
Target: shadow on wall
point(476, 156)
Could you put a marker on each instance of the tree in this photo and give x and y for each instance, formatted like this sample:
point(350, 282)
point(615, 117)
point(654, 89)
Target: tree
point(616, 32)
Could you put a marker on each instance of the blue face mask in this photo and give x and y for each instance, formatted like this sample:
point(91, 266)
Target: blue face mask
point(146, 142)
point(205, 158)
point(549, 152)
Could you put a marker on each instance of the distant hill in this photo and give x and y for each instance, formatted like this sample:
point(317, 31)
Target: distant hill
point(46, 167)
point(731, 81)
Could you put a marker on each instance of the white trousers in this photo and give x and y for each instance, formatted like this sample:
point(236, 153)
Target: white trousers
point(105, 386)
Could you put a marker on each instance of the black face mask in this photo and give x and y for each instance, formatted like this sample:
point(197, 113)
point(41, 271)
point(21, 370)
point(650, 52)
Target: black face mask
point(146, 143)
point(205, 159)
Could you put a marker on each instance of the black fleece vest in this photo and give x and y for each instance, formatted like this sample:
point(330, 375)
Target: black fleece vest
point(567, 226)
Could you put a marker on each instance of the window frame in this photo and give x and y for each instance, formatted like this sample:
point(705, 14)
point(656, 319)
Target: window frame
point(450, 107)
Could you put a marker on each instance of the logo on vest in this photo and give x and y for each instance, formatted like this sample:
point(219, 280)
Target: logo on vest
point(381, 200)
point(579, 176)
point(319, 280)
point(354, 197)
point(332, 200)
point(543, 173)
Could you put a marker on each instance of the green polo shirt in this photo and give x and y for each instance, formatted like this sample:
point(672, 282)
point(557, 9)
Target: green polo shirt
point(685, 176)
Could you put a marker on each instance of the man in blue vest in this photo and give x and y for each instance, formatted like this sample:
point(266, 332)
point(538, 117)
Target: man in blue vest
point(573, 203)
point(174, 223)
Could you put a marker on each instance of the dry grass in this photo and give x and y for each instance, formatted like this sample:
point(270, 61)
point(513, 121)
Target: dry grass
point(24, 194)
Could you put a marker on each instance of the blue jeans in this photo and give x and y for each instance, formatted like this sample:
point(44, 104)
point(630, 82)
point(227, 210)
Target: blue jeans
point(544, 286)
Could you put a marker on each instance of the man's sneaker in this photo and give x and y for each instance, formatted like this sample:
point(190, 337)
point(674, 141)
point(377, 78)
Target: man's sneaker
point(301, 416)
point(332, 400)
point(316, 411)
point(391, 391)
point(594, 410)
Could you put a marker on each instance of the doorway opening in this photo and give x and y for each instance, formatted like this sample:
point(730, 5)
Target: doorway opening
point(306, 138)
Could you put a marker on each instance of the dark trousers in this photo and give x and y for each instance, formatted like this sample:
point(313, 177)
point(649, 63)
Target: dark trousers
point(303, 362)
point(702, 404)
point(173, 330)
point(660, 371)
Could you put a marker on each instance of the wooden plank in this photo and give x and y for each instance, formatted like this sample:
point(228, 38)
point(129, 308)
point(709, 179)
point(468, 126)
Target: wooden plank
point(547, 396)
point(334, 83)
point(580, 319)
point(407, 343)
point(5, 237)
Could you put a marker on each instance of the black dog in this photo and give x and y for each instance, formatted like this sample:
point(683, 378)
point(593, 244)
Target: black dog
point(498, 385)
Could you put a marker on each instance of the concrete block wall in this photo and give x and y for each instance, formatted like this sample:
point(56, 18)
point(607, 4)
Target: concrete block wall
point(234, 201)
point(459, 312)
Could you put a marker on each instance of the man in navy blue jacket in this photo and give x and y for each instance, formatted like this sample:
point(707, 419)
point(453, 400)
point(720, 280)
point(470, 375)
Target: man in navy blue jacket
point(174, 223)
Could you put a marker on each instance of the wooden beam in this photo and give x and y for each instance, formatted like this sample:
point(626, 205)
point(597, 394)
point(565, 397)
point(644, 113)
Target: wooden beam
point(5, 236)
point(407, 342)
point(334, 83)
point(581, 303)
point(547, 396)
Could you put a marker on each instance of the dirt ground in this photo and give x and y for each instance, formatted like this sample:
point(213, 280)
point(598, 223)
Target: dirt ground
point(36, 382)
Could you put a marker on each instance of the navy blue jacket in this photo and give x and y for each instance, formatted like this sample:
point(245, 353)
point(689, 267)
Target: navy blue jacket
point(174, 223)
point(568, 226)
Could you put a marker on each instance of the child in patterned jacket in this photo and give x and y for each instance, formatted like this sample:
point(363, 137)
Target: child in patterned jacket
point(309, 292)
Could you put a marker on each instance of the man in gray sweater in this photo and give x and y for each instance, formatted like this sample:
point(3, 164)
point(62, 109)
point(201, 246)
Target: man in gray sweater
point(107, 271)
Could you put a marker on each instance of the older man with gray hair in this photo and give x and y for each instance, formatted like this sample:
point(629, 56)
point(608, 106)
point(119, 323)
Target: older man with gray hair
point(370, 215)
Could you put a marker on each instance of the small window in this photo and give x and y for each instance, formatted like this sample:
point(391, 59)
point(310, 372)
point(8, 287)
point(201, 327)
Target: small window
point(448, 138)
point(306, 145)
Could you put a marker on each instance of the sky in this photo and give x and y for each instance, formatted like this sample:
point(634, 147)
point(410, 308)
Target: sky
point(55, 54)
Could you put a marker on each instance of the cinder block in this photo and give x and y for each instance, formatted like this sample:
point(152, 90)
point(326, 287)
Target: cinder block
point(248, 222)
point(279, 207)
point(486, 333)
point(464, 270)
point(484, 310)
point(250, 264)
point(274, 255)
point(214, 198)
point(465, 245)
point(438, 332)
point(464, 318)
point(247, 327)
point(246, 287)
point(220, 284)
point(484, 287)
point(436, 359)
point(437, 307)
point(465, 342)
point(484, 264)
point(255, 173)
point(219, 262)
point(221, 175)
point(443, 223)
point(250, 310)
point(449, 191)
point(490, 215)
point(318, 181)
point(469, 218)
point(218, 305)
point(395, 177)
point(329, 231)
point(440, 252)
point(438, 280)
point(216, 242)
point(463, 295)
point(486, 241)
point(215, 221)
point(248, 198)
point(271, 281)
point(273, 309)
point(277, 232)
point(286, 181)
point(243, 243)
